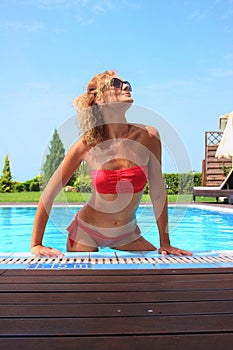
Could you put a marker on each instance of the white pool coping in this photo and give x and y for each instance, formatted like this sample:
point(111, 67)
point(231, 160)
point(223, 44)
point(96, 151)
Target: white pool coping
point(117, 261)
point(204, 206)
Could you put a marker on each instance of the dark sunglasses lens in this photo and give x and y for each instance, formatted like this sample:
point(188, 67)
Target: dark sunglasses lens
point(130, 87)
point(116, 83)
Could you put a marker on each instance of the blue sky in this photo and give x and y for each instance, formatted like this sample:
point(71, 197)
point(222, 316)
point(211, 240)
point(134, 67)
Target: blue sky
point(178, 55)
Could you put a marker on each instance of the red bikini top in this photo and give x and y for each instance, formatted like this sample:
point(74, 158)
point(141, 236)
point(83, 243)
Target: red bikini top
point(130, 180)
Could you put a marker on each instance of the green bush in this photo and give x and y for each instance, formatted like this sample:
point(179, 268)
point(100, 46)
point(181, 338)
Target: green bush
point(19, 186)
point(146, 188)
point(171, 183)
point(27, 185)
point(83, 184)
point(32, 185)
point(197, 179)
point(181, 183)
point(174, 183)
point(185, 183)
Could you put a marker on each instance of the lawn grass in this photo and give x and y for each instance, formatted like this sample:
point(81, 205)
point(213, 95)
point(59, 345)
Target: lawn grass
point(20, 197)
point(33, 197)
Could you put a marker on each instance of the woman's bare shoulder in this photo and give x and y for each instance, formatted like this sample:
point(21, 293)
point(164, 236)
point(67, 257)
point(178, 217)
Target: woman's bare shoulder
point(147, 130)
point(79, 146)
point(152, 131)
point(79, 143)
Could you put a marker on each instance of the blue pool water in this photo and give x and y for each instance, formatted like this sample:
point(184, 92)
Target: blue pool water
point(191, 228)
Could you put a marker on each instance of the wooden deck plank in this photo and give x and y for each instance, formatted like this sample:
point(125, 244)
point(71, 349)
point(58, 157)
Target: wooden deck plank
point(120, 287)
point(116, 309)
point(90, 279)
point(114, 297)
point(122, 309)
point(149, 342)
point(118, 272)
point(116, 325)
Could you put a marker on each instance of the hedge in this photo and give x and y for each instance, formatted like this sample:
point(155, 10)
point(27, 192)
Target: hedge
point(32, 185)
point(175, 183)
point(182, 183)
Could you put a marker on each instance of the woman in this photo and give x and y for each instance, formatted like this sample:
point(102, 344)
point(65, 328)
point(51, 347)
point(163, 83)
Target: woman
point(121, 157)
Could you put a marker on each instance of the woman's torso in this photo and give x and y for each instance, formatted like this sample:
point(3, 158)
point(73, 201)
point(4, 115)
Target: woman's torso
point(124, 159)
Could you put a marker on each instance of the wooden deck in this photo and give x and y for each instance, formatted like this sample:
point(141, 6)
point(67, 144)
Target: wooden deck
point(116, 309)
point(211, 192)
point(212, 167)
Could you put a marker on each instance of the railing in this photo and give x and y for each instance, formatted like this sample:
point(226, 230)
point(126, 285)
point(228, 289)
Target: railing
point(212, 140)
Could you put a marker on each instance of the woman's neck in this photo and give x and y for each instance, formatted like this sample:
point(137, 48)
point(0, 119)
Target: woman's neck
point(115, 123)
point(116, 130)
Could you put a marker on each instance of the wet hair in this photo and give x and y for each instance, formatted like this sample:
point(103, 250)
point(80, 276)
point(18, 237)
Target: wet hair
point(89, 112)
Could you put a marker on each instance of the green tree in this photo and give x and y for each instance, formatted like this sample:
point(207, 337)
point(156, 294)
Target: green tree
point(54, 157)
point(83, 181)
point(6, 183)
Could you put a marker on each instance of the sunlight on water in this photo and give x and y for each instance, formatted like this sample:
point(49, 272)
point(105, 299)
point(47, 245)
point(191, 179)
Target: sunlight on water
point(190, 228)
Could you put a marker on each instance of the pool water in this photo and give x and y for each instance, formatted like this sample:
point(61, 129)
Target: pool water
point(191, 228)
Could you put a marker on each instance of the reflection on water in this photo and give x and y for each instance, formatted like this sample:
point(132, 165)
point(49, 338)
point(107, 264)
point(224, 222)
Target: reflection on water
point(190, 228)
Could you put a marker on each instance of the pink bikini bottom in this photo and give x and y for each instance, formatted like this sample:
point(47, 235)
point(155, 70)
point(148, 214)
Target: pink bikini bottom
point(80, 231)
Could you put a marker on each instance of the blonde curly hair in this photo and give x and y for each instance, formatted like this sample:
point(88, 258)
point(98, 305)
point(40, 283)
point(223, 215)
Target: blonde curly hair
point(89, 112)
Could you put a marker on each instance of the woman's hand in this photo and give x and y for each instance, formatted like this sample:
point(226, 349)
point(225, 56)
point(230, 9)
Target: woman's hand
point(168, 249)
point(40, 250)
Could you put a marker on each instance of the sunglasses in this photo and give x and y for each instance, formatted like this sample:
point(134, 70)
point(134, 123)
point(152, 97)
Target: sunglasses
point(118, 84)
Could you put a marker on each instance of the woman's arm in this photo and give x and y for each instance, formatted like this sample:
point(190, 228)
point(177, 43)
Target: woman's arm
point(158, 194)
point(59, 179)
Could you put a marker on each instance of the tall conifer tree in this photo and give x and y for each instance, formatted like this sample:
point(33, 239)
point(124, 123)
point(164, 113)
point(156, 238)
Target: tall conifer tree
point(6, 184)
point(54, 157)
